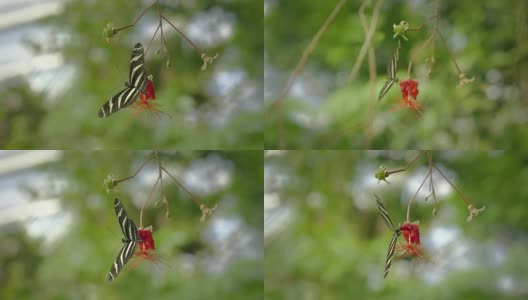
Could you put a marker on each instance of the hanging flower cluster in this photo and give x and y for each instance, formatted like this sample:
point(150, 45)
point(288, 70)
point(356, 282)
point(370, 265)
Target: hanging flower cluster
point(409, 90)
point(411, 233)
point(411, 247)
point(147, 244)
point(146, 247)
point(139, 242)
point(146, 99)
point(409, 87)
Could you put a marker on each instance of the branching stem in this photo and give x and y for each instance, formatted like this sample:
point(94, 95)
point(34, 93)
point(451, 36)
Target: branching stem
point(412, 199)
point(193, 197)
point(453, 186)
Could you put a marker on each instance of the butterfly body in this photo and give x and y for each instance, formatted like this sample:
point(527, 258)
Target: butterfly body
point(130, 240)
point(397, 233)
point(135, 86)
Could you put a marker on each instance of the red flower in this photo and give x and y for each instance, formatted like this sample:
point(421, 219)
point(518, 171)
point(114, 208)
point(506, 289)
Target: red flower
point(409, 89)
point(409, 86)
point(146, 247)
point(145, 234)
point(411, 233)
point(145, 99)
point(149, 94)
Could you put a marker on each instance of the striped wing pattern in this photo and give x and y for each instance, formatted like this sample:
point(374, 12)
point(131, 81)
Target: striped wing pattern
point(391, 73)
point(392, 245)
point(390, 253)
point(137, 82)
point(127, 225)
point(129, 242)
point(384, 214)
point(137, 74)
point(122, 258)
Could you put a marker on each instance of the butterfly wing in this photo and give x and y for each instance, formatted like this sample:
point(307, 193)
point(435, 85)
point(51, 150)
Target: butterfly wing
point(391, 74)
point(385, 214)
point(122, 258)
point(127, 225)
point(129, 243)
point(122, 99)
point(390, 253)
point(137, 80)
point(138, 75)
point(386, 87)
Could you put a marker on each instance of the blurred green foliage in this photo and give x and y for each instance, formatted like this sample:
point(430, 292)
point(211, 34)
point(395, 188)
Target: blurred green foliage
point(326, 111)
point(77, 264)
point(200, 116)
point(325, 239)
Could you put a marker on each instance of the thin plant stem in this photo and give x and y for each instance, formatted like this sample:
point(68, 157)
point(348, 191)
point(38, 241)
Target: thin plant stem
point(277, 104)
point(162, 192)
point(153, 37)
point(163, 40)
point(130, 177)
point(366, 43)
point(431, 184)
point(184, 36)
point(415, 194)
point(137, 19)
point(407, 166)
point(193, 197)
point(449, 52)
point(372, 68)
point(145, 204)
point(453, 186)
point(151, 190)
point(164, 45)
point(432, 38)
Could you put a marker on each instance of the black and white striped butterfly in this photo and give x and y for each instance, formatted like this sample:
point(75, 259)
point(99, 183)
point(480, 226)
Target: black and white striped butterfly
point(391, 73)
point(397, 233)
point(130, 241)
point(137, 81)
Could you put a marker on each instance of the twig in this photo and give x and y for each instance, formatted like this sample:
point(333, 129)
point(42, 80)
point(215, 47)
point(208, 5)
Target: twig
point(116, 30)
point(150, 193)
point(449, 52)
point(431, 38)
point(412, 199)
point(110, 32)
point(130, 177)
point(148, 199)
point(200, 52)
point(277, 103)
point(150, 42)
point(453, 186)
point(431, 184)
point(205, 58)
point(366, 43)
point(193, 197)
point(372, 69)
point(407, 166)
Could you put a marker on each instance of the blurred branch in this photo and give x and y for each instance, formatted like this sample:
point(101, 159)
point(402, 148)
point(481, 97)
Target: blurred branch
point(277, 103)
point(369, 32)
point(366, 43)
point(110, 31)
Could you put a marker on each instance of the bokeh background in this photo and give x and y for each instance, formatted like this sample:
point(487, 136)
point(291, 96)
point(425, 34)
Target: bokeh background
point(57, 70)
point(60, 234)
point(325, 239)
point(329, 108)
